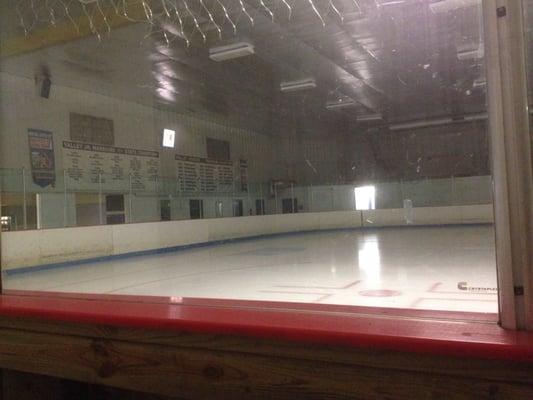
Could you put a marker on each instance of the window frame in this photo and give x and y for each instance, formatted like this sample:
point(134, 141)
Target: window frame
point(513, 187)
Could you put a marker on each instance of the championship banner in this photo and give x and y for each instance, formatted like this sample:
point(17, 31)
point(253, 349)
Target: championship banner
point(42, 160)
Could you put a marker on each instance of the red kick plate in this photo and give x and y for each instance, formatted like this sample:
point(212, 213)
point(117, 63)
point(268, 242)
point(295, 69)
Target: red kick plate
point(435, 332)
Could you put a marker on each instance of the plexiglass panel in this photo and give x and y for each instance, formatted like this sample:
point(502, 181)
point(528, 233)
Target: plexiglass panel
point(297, 151)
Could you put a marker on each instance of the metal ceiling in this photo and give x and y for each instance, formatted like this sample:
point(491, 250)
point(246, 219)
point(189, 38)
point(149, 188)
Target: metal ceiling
point(402, 59)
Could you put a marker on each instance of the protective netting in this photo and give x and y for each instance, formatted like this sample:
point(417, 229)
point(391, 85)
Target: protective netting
point(187, 20)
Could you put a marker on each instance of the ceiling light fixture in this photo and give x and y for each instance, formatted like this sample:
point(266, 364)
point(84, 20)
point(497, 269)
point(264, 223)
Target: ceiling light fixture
point(475, 54)
point(369, 117)
point(391, 3)
point(444, 6)
point(294, 86)
point(479, 83)
point(341, 103)
point(231, 51)
point(437, 122)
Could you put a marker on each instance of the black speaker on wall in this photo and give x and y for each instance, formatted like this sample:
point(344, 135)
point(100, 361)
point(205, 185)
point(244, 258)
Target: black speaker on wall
point(46, 85)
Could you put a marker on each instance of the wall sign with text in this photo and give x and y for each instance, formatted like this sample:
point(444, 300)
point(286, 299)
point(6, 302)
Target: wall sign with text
point(197, 174)
point(89, 166)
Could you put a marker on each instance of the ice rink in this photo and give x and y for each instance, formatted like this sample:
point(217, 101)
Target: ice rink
point(439, 268)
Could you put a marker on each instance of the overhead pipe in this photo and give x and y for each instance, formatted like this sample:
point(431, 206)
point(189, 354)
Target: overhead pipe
point(437, 122)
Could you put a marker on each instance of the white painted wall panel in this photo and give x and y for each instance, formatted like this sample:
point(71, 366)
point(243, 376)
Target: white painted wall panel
point(129, 238)
point(26, 248)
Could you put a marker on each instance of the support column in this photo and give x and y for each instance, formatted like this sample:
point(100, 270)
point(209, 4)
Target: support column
point(510, 146)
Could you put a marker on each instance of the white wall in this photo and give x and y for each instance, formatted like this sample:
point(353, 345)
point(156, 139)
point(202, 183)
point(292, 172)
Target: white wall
point(135, 126)
point(133, 123)
point(471, 214)
point(426, 193)
point(55, 210)
point(143, 208)
point(275, 156)
point(138, 126)
point(312, 160)
point(27, 248)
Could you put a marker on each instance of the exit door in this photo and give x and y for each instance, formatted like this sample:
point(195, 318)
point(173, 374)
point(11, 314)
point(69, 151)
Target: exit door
point(260, 207)
point(289, 206)
point(237, 208)
point(196, 208)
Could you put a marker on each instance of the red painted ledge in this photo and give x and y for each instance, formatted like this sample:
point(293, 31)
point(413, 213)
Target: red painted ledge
point(433, 332)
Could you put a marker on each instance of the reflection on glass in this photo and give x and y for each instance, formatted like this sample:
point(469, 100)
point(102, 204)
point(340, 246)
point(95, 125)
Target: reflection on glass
point(370, 261)
point(183, 125)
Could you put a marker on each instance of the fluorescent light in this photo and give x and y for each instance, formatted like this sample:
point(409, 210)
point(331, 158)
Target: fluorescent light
point(479, 83)
point(169, 137)
point(475, 117)
point(450, 5)
point(476, 54)
point(391, 3)
point(437, 122)
point(420, 124)
point(231, 51)
point(293, 86)
point(369, 117)
point(341, 103)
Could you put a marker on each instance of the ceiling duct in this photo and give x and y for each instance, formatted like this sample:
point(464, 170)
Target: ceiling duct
point(437, 122)
point(295, 86)
point(231, 51)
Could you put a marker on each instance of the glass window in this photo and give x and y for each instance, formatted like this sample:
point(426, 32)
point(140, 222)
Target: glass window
point(365, 198)
point(351, 136)
point(169, 137)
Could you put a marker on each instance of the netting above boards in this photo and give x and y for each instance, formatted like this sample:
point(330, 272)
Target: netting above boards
point(185, 20)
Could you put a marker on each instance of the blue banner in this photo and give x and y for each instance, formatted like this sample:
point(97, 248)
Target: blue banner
point(42, 159)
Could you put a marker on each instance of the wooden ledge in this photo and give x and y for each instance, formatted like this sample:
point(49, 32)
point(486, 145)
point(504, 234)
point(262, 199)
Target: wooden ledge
point(204, 351)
